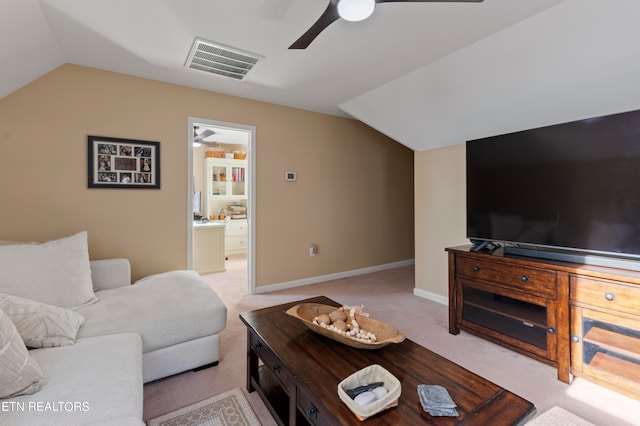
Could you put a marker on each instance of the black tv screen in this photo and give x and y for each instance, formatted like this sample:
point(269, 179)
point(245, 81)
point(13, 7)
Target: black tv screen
point(571, 186)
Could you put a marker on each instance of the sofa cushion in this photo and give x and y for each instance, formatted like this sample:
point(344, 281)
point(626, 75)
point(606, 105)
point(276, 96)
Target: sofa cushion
point(95, 380)
point(110, 273)
point(165, 309)
point(41, 325)
point(56, 272)
point(19, 373)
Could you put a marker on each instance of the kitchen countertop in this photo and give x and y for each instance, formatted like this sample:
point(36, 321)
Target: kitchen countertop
point(209, 224)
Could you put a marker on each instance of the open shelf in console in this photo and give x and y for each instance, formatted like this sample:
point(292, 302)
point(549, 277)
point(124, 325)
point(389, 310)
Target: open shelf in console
point(624, 344)
point(611, 348)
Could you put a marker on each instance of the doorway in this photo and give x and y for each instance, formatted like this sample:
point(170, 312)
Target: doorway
point(221, 187)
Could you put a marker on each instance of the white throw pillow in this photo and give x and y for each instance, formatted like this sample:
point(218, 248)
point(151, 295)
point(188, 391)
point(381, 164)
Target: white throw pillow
point(19, 373)
point(41, 325)
point(56, 273)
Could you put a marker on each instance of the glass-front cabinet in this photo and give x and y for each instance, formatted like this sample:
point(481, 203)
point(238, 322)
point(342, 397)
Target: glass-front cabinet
point(514, 319)
point(224, 179)
point(605, 333)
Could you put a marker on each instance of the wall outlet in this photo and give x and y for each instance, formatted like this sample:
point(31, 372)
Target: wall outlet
point(313, 250)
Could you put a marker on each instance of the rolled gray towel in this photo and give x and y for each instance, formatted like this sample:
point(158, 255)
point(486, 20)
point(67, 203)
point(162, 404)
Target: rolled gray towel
point(435, 400)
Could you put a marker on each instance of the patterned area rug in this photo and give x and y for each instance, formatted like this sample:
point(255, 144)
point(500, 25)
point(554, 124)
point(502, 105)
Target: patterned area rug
point(556, 416)
point(227, 409)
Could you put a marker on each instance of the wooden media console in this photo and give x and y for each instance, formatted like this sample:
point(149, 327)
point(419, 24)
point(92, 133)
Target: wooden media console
point(583, 320)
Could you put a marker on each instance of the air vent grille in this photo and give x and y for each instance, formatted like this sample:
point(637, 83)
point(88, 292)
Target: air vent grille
point(221, 60)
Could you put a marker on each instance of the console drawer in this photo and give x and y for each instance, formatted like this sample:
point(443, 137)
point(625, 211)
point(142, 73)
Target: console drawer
point(514, 276)
point(271, 362)
point(605, 294)
point(311, 410)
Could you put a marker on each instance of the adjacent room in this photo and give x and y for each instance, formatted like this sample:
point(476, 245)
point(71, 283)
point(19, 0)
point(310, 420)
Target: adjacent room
point(314, 213)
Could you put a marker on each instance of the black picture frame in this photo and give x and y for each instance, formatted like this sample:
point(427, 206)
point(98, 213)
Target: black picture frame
point(122, 163)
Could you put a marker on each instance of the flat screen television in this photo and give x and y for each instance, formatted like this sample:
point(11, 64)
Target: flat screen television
point(572, 187)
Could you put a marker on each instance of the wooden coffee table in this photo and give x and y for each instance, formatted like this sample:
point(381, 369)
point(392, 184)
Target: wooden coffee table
point(296, 373)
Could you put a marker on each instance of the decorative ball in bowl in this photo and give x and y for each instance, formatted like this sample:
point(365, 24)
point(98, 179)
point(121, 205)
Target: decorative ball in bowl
point(347, 325)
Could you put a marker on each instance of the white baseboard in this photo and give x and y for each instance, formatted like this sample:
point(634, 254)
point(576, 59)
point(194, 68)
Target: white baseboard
point(431, 296)
point(329, 277)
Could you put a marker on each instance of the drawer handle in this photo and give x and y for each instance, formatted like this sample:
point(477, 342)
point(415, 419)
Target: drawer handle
point(575, 338)
point(610, 296)
point(524, 279)
point(276, 368)
point(312, 411)
point(551, 330)
point(476, 268)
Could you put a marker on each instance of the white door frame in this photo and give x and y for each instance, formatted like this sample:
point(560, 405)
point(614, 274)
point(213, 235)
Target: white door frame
point(251, 193)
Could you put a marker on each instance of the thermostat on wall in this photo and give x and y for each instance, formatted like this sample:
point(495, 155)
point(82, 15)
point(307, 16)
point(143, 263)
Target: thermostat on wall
point(290, 176)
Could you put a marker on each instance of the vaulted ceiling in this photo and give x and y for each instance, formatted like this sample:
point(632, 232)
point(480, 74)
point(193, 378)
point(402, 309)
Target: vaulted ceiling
point(426, 74)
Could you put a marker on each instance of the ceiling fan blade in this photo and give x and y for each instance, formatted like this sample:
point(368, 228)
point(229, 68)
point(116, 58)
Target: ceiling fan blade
point(330, 15)
point(203, 135)
point(327, 18)
point(429, 1)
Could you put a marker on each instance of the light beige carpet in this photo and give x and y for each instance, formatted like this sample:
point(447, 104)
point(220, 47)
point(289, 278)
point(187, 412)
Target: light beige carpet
point(230, 408)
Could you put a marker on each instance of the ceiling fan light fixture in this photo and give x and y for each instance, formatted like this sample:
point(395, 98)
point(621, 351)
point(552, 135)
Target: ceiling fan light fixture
point(355, 10)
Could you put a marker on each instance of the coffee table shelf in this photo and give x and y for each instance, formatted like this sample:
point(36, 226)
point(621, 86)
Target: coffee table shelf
point(269, 390)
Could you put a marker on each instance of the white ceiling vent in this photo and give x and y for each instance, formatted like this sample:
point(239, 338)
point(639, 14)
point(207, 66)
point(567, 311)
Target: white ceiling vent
point(222, 60)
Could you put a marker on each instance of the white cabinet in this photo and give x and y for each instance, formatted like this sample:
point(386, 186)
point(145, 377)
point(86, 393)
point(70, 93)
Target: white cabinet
point(208, 248)
point(237, 235)
point(224, 179)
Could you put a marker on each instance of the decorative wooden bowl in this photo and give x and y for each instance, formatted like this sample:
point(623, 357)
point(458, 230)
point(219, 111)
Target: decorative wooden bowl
point(385, 333)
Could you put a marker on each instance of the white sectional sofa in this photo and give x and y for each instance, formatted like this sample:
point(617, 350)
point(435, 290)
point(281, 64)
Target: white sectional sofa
point(176, 313)
point(129, 335)
point(96, 380)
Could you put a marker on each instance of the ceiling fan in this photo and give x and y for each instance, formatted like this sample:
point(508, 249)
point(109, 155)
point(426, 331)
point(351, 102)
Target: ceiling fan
point(352, 10)
point(198, 137)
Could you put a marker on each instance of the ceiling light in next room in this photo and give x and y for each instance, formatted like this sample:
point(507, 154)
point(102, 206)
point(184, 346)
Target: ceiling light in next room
point(221, 60)
point(355, 10)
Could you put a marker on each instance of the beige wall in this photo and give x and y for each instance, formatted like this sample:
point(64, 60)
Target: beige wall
point(440, 214)
point(354, 195)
